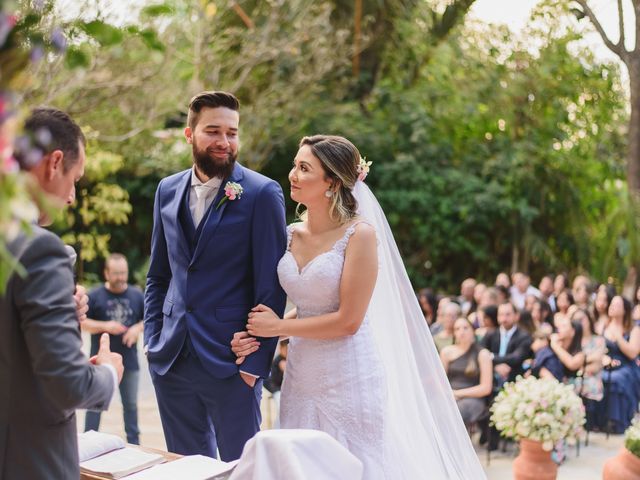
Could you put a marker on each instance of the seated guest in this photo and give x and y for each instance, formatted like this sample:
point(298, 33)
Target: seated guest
point(485, 297)
point(521, 288)
point(529, 301)
point(509, 344)
point(436, 326)
point(502, 293)
point(429, 304)
point(563, 302)
point(542, 316)
point(546, 288)
point(487, 321)
point(445, 336)
point(567, 345)
point(466, 299)
point(588, 383)
point(581, 291)
point(525, 322)
point(503, 280)
point(560, 284)
point(623, 344)
point(469, 370)
point(604, 295)
point(545, 363)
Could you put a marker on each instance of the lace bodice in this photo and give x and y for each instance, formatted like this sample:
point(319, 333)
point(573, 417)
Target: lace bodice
point(334, 385)
point(314, 288)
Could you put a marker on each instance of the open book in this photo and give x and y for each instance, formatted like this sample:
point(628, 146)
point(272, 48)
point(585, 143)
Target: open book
point(108, 455)
point(192, 467)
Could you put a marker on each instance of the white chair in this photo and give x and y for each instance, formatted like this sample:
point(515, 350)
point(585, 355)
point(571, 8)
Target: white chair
point(296, 455)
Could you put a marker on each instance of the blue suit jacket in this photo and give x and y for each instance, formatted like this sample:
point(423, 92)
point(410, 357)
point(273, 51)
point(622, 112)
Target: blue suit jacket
point(209, 290)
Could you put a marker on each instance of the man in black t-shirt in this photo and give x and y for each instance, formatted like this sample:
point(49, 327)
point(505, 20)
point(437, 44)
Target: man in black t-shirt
point(117, 309)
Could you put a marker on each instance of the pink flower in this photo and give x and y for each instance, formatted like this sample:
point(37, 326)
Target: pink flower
point(232, 191)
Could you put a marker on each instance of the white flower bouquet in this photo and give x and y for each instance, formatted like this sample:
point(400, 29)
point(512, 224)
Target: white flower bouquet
point(543, 410)
point(632, 437)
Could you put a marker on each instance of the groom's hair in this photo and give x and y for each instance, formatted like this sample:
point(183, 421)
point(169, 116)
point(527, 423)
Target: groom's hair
point(212, 99)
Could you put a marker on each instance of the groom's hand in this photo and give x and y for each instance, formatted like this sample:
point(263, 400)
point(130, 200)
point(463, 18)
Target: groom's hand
point(243, 345)
point(248, 379)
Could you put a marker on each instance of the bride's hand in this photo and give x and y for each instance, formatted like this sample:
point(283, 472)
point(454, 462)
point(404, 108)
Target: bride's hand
point(243, 345)
point(263, 322)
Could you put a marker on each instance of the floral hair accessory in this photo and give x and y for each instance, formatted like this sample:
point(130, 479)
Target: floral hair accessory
point(363, 168)
point(232, 191)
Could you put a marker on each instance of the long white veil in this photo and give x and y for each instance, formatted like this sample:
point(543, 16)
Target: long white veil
point(425, 435)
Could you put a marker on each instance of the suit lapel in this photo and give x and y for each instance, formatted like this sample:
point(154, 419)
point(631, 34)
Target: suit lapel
point(215, 212)
point(174, 210)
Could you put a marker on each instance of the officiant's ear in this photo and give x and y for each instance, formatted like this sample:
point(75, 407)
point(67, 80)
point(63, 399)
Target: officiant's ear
point(188, 134)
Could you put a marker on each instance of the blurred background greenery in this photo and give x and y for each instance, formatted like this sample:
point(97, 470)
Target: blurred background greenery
point(492, 150)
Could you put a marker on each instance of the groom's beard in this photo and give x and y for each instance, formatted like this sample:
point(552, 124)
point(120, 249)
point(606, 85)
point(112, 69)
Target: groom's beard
point(211, 166)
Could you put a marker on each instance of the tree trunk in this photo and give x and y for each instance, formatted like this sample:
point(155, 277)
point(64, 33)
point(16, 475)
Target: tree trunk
point(633, 155)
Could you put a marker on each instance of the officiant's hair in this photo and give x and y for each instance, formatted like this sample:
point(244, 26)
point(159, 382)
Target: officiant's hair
point(340, 159)
point(210, 99)
point(50, 129)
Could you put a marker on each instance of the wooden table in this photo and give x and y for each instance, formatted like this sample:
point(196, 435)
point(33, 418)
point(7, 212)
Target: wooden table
point(167, 455)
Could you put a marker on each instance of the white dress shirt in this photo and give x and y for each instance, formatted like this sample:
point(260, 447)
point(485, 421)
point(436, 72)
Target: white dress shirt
point(201, 196)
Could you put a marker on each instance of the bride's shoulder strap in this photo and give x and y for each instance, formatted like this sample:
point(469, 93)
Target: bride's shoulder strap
point(341, 245)
point(290, 230)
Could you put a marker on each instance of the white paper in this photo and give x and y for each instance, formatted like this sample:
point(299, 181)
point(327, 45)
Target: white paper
point(121, 462)
point(92, 444)
point(193, 467)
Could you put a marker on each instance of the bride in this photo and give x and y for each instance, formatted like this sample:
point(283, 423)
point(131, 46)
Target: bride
point(361, 364)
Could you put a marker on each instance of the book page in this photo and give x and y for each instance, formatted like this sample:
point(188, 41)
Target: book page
point(121, 462)
point(92, 444)
point(193, 467)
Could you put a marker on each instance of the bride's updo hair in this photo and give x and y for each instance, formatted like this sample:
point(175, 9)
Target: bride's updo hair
point(340, 159)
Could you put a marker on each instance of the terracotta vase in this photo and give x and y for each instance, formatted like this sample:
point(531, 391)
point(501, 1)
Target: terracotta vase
point(533, 463)
point(624, 466)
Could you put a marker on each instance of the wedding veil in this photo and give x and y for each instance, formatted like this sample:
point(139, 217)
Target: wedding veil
point(424, 433)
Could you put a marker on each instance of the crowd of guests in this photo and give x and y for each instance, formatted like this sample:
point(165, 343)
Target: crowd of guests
point(583, 334)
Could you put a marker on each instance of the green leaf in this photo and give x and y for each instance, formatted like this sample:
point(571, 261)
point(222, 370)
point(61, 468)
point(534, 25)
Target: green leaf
point(102, 32)
point(150, 38)
point(157, 10)
point(76, 58)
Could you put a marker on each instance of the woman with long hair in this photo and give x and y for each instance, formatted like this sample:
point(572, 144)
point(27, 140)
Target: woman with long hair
point(622, 339)
point(469, 369)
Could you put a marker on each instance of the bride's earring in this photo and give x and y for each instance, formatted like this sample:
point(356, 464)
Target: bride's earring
point(328, 194)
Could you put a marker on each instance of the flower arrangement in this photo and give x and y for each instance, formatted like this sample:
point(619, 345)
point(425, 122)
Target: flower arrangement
point(543, 410)
point(632, 437)
point(232, 190)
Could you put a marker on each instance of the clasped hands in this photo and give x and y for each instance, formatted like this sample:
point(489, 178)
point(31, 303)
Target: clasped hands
point(262, 322)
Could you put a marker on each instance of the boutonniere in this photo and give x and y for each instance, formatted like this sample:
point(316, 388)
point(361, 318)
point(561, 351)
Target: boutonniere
point(232, 190)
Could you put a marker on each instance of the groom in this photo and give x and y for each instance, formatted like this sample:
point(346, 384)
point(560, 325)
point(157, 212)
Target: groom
point(218, 233)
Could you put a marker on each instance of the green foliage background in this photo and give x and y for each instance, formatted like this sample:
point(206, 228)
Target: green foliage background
point(491, 152)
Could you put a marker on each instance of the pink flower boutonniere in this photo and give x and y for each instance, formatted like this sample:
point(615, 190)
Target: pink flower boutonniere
point(232, 190)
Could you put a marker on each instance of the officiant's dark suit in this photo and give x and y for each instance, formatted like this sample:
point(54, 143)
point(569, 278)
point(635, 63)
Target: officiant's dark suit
point(44, 376)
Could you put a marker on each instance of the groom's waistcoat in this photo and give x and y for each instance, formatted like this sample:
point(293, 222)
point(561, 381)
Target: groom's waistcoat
point(203, 282)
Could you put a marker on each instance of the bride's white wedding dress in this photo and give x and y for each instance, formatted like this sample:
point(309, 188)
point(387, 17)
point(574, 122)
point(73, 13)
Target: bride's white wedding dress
point(336, 385)
point(381, 392)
